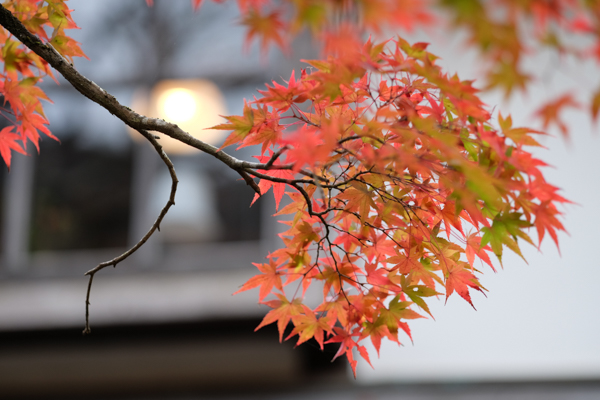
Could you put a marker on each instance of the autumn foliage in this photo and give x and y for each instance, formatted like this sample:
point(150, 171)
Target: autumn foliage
point(400, 181)
point(399, 185)
point(23, 69)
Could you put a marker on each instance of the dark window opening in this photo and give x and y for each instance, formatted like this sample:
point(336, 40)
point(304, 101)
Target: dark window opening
point(4, 122)
point(239, 220)
point(81, 197)
point(3, 172)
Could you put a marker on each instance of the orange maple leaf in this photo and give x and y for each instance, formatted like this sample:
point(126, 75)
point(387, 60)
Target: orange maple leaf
point(268, 27)
point(360, 199)
point(549, 113)
point(267, 280)
point(282, 311)
point(459, 280)
point(308, 326)
point(377, 331)
point(241, 126)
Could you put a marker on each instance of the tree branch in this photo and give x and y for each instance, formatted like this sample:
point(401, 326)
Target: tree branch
point(100, 96)
point(153, 228)
point(139, 122)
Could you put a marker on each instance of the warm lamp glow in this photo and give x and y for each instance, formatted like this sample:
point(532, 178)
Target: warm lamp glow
point(194, 105)
point(178, 105)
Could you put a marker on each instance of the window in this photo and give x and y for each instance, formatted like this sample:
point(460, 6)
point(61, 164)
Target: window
point(81, 197)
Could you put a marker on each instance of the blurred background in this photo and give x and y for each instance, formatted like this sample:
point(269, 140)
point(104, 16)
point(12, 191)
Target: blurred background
point(164, 323)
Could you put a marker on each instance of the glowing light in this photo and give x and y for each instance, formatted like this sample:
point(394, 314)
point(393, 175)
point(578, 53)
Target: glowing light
point(193, 105)
point(178, 105)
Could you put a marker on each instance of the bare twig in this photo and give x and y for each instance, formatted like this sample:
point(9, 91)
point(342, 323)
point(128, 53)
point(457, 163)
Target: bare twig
point(153, 228)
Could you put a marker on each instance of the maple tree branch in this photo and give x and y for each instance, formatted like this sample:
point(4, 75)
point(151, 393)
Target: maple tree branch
point(357, 137)
point(136, 121)
point(155, 226)
point(312, 175)
point(277, 179)
point(275, 156)
point(348, 180)
point(143, 124)
point(249, 181)
point(131, 118)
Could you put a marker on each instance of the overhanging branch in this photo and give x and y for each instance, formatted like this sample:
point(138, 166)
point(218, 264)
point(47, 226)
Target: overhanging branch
point(142, 124)
point(100, 96)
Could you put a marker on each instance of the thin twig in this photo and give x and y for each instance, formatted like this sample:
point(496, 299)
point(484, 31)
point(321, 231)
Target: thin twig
point(249, 181)
point(153, 228)
point(275, 156)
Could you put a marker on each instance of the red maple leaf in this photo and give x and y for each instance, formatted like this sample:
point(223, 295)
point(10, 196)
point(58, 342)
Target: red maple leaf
point(309, 146)
point(549, 113)
point(347, 343)
point(474, 248)
point(196, 4)
point(278, 187)
point(281, 97)
point(8, 142)
point(268, 27)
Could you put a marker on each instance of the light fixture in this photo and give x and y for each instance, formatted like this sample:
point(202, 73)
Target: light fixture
point(193, 105)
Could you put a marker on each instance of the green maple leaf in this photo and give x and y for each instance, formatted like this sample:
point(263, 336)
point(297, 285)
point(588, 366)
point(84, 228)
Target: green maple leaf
point(505, 230)
point(241, 126)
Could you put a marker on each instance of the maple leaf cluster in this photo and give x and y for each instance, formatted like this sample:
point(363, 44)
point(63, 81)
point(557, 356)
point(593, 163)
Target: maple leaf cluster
point(23, 69)
point(504, 31)
point(401, 182)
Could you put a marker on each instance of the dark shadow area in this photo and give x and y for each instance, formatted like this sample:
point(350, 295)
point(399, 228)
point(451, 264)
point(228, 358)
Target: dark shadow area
point(212, 357)
point(239, 220)
point(82, 197)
